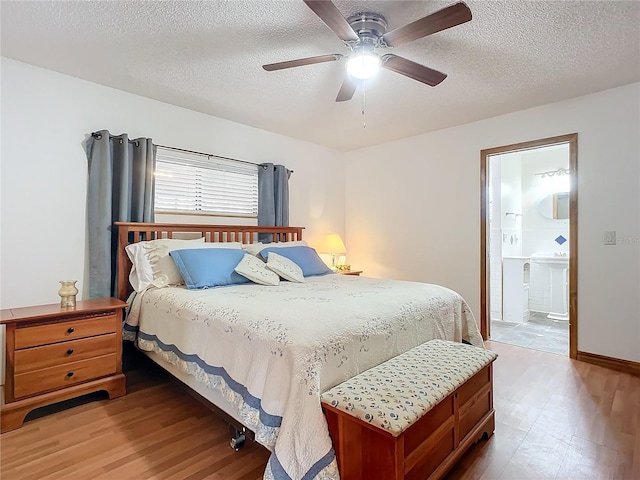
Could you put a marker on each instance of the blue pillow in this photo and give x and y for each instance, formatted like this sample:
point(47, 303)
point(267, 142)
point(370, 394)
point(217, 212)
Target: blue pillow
point(305, 257)
point(209, 267)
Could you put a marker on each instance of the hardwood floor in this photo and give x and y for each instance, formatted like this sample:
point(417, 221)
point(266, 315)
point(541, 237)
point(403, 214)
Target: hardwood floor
point(555, 419)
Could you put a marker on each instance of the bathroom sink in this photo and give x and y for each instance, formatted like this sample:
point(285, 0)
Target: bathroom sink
point(552, 261)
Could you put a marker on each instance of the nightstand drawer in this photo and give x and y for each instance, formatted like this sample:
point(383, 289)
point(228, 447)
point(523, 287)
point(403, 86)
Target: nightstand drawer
point(62, 353)
point(63, 375)
point(59, 332)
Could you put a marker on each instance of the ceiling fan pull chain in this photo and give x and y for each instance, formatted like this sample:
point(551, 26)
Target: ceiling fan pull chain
point(364, 104)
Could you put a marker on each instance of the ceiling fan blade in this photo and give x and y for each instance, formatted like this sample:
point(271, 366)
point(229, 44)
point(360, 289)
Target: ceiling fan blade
point(330, 15)
point(302, 61)
point(441, 20)
point(347, 89)
point(412, 70)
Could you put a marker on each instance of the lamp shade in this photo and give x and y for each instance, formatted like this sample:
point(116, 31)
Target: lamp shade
point(334, 244)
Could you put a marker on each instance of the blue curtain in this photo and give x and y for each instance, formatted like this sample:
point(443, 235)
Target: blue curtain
point(273, 197)
point(120, 188)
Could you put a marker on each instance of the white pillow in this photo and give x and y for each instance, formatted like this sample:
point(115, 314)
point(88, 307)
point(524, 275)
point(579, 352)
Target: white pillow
point(255, 248)
point(141, 275)
point(256, 270)
point(284, 267)
point(153, 266)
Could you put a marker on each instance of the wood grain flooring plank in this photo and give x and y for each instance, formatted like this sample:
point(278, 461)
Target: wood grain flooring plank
point(174, 460)
point(539, 456)
point(587, 460)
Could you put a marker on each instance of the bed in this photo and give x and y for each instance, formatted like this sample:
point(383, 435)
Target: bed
point(264, 354)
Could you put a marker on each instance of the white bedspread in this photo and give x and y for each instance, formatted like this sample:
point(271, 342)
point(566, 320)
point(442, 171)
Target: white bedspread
point(272, 350)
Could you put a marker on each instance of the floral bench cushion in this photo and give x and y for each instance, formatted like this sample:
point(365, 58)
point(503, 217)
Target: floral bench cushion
point(396, 393)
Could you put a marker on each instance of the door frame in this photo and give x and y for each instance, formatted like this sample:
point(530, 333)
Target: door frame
point(572, 140)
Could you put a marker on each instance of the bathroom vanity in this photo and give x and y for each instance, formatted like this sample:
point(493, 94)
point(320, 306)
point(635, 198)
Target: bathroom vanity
point(558, 268)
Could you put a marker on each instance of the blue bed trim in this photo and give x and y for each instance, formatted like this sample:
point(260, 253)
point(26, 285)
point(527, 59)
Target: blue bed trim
point(254, 402)
point(279, 474)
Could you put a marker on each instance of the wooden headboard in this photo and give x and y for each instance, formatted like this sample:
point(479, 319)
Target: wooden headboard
point(129, 233)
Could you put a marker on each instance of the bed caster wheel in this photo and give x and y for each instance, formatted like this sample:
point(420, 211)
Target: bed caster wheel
point(237, 442)
point(238, 437)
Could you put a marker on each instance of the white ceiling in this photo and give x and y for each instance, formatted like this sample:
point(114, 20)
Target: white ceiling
point(207, 56)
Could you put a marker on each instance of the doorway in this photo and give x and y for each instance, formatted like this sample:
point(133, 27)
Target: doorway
point(529, 244)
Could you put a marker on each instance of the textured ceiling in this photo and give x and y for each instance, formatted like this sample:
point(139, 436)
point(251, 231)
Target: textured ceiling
point(207, 56)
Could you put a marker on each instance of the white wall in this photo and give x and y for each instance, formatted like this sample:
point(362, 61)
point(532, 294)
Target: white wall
point(46, 117)
point(413, 208)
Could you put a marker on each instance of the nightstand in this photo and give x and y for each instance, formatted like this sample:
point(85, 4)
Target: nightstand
point(55, 353)
point(350, 272)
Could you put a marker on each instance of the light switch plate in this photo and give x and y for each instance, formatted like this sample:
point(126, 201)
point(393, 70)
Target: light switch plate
point(610, 238)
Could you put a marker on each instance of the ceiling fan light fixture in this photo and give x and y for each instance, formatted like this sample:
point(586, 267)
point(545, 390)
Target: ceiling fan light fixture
point(365, 32)
point(363, 65)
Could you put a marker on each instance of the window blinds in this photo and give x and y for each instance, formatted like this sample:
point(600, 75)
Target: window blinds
point(204, 185)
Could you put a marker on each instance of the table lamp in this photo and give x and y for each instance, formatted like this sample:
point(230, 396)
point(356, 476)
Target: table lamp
point(335, 246)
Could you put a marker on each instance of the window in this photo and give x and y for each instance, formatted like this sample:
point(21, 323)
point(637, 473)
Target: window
point(200, 184)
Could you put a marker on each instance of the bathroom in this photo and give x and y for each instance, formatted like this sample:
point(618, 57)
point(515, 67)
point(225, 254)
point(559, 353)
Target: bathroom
point(529, 248)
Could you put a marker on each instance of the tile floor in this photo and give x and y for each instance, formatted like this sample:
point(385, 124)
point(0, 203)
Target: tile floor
point(539, 333)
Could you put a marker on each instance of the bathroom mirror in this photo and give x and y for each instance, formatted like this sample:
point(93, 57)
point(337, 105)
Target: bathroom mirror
point(555, 206)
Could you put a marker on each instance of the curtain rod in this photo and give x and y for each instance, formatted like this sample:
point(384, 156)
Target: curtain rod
point(210, 155)
point(98, 135)
point(205, 154)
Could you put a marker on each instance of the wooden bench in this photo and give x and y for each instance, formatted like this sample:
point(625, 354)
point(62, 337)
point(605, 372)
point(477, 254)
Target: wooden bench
point(413, 416)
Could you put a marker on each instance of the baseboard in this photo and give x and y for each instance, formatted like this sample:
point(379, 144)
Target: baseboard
point(626, 366)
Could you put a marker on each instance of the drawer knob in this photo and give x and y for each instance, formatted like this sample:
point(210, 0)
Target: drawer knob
point(69, 374)
point(70, 351)
point(70, 330)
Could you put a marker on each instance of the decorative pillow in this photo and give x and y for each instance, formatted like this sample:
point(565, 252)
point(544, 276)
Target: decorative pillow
point(209, 267)
point(255, 248)
point(305, 257)
point(284, 267)
point(152, 265)
point(256, 270)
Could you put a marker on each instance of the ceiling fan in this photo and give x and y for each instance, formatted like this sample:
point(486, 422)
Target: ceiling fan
point(365, 32)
